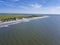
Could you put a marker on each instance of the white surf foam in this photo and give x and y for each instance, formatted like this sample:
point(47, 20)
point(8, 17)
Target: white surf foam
point(3, 26)
point(6, 24)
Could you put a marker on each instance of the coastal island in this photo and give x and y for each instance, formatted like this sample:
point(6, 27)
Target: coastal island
point(6, 20)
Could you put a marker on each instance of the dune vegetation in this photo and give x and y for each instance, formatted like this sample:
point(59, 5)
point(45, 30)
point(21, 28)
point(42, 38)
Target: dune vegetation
point(4, 18)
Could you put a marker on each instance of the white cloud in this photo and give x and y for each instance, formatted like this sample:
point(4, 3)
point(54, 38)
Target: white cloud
point(15, 0)
point(47, 10)
point(36, 5)
point(58, 7)
point(51, 10)
point(34, 8)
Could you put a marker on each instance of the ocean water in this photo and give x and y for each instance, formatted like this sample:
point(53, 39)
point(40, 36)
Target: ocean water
point(45, 31)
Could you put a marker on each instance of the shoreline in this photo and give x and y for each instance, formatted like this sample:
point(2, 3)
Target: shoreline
point(5, 24)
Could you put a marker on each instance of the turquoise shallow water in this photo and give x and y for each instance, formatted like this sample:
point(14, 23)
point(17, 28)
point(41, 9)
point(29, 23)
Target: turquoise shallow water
point(44, 31)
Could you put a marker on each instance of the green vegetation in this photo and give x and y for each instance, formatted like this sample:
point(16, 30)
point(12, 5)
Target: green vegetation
point(13, 17)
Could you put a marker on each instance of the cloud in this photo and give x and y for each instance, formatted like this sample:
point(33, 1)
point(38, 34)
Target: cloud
point(36, 5)
point(15, 0)
point(46, 10)
point(51, 10)
point(32, 8)
point(58, 7)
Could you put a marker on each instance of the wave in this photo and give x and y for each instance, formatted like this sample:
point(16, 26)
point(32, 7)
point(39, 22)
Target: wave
point(6, 24)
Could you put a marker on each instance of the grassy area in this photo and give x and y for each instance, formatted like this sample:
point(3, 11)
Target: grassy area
point(4, 18)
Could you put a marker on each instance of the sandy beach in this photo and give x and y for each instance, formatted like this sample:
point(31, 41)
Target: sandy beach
point(5, 24)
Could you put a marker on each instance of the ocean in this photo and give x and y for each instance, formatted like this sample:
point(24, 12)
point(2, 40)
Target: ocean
point(45, 31)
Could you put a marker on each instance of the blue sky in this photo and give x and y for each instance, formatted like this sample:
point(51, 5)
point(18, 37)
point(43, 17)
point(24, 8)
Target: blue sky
point(30, 6)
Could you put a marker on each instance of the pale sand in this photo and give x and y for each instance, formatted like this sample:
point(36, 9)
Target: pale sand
point(20, 20)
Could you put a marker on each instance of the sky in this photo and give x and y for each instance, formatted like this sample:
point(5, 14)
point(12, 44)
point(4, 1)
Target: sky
point(30, 6)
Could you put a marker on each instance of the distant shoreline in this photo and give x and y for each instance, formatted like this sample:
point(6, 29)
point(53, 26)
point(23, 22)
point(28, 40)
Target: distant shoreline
point(22, 20)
